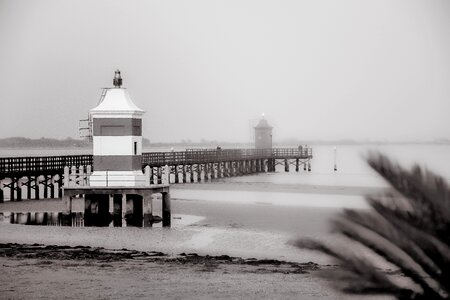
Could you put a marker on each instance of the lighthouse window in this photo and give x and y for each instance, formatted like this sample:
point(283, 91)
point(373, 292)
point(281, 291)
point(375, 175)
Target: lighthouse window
point(135, 148)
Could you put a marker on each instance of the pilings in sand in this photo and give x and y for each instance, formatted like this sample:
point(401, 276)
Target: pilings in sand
point(117, 206)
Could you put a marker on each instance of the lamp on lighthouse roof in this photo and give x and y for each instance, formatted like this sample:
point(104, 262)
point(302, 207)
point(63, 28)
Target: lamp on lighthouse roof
point(117, 139)
point(117, 81)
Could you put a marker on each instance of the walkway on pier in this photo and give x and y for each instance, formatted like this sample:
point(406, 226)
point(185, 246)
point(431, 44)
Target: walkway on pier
point(44, 177)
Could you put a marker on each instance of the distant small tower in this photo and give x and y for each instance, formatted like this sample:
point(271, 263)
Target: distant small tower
point(117, 139)
point(263, 134)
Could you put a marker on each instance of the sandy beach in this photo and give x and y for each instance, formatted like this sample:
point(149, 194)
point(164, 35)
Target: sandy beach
point(216, 248)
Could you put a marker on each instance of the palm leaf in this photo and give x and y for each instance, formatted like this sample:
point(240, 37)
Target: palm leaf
point(409, 227)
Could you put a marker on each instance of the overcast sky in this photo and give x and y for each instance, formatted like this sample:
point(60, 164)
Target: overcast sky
point(207, 69)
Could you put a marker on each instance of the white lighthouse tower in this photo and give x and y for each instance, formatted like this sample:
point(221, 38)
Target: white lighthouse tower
point(117, 139)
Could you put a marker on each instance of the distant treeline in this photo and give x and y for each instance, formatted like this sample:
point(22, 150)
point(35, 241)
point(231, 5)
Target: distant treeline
point(21, 142)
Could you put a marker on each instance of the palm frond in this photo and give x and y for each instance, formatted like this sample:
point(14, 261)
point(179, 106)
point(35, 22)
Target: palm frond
point(408, 227)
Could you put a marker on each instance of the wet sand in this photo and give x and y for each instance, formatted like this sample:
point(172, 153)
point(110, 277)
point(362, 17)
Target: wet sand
point(223, 185)
point(234, 251)
point(51, 272)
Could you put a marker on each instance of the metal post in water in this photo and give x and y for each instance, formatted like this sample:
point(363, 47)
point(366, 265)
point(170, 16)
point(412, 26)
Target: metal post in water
point(335, 158)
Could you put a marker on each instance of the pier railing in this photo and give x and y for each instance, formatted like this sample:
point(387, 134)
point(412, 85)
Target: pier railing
point(220, 155)
point(41, 164)
point(49, 164)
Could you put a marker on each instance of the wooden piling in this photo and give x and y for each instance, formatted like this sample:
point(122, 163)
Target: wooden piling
point(159, 175)
point(41, 218)
point(147, 174)
point(206, 172)
point(66, 177)
point(37, 190)
point(28, 184)
point(45, 184)
point(67, 210)
point(177, 179)
point(19, 190)
point(147, 209)
point(52, 187)
point(124, 210)
point(150, 175)
point(199, 172)
point(73, 176)
point(2, 195)
point(111, 209)
point(191, 173)
point(212, 171)
point(166, 213)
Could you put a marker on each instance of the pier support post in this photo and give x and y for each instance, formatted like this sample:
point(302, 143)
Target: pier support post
point(166, 213)
point(83, 177)
point(124, 210)
point(66, 178)
point(147, 174)
point(271, 167)
point(36, 188)
point(28, 184)
point(88, 174)
point(74, 175)
point(66, 219)
point(19, 190)
point(213, 170)
point(296, 165)
point(199, 173)
point(152, 180)
point(166, 177)
point(204, 167)
point(159, 175)
point(191, 174)
point(147, 209)
point(60, 185)
point(111, 209)
point(2, 195)
point(52, 186)
point(177, 179)
point(225, 169)
point(45, 183)
point(286, 165)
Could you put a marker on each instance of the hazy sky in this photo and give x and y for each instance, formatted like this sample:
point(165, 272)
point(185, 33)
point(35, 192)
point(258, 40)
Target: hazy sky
point(207, 69)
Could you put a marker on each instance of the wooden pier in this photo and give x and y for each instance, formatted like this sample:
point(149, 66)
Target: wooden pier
point(44, 177)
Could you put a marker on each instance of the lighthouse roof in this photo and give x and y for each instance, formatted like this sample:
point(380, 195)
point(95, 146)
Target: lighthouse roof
point(263, 124)
point(117, 101)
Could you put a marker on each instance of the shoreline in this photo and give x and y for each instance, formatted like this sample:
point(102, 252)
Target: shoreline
point(284, 188)
point(195, 259)
point(81, 252)
point(80, 272)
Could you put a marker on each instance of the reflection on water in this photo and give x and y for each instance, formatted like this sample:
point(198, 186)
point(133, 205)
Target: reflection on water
point(271, 198)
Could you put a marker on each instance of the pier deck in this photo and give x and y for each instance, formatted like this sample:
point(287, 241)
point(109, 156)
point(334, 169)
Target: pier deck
point(44, 177)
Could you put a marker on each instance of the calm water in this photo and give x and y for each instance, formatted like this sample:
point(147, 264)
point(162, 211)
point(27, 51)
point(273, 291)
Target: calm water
point(260, 223)
point(350, 159)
